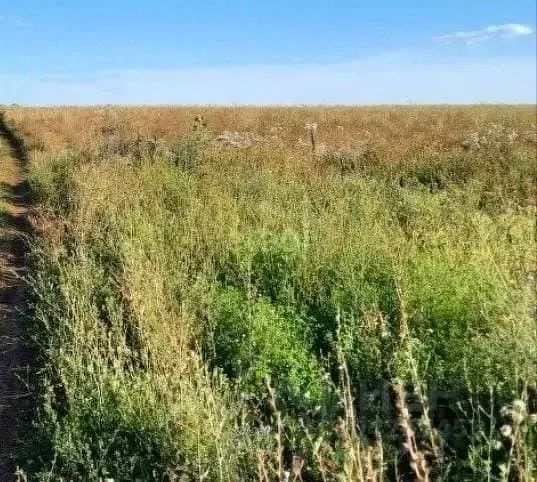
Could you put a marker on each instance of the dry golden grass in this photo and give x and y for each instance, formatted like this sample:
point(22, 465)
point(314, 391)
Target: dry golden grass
point(392, 131)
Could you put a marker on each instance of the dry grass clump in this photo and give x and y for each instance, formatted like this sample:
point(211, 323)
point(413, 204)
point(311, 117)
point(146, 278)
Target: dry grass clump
point(213, 306)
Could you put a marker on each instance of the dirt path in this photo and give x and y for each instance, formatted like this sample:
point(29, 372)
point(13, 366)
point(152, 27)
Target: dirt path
point(13, 248)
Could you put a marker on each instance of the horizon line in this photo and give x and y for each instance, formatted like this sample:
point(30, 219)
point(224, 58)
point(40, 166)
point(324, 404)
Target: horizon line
point(321, 105)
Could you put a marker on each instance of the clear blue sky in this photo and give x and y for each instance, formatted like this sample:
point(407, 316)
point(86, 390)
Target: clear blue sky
point(277, 52)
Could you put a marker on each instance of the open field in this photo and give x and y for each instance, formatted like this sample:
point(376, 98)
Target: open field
point(212, 297)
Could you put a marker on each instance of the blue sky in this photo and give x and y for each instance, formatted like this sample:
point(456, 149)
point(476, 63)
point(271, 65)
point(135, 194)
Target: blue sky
point(278, 52)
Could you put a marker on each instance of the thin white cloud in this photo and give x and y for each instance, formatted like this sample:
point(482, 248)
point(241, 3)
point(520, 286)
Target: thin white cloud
point(386, 79)
point(506, 30)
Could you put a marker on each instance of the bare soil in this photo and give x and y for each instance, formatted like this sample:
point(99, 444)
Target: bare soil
point(13, 248)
